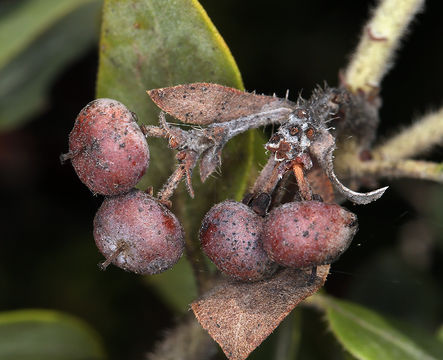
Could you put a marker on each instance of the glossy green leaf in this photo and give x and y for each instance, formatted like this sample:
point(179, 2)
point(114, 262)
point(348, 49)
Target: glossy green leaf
point(368, 335)
point(37, 40)
point(147, 44)
point(49, 335)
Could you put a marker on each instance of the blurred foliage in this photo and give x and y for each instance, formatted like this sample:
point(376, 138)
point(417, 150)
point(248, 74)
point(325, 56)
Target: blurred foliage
point(48, 64)
point(43, 334)
point(38, 39)
point(368, 335)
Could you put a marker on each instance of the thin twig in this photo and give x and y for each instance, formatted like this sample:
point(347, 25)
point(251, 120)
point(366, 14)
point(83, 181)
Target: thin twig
point(414, 140)
point(412, 169)
point(303, 186)
point(379, 41)
point(186, 341)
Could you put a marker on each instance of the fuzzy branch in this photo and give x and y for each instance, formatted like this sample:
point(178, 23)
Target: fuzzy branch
point(414, 140)
point(187, 341)
point(379, 41)
point(412, 169)
point(350, 166)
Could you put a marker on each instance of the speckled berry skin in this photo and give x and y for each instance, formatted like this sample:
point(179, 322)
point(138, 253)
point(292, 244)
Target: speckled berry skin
point(308, 233)
point(230, 236)
point(150, 235)
point(107, 148)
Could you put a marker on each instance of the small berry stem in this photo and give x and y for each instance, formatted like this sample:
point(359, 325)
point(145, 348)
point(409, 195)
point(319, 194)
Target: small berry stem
point(68, 156)
point(260, 197)
point(264, 175)
point(193, 251)
point(303, 186)
point(269, 177)
point(103, 265)
point(154, 131)
point(313, 275)
point(171, 184)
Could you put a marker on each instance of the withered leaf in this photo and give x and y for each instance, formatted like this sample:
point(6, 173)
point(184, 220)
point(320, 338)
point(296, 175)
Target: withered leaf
point(239, 316)
point(205, 103)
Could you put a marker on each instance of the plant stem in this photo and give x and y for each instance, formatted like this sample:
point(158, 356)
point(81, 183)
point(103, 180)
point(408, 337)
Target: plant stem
point(414, 140)
point(378, 43)
point(413, 169)
point(187, 341)
point(193, 252)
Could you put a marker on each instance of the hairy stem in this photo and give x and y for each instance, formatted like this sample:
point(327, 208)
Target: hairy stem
point(413, 169)
point(187, 341)
point(303, 186)
point(414, 140)
point(379, 41)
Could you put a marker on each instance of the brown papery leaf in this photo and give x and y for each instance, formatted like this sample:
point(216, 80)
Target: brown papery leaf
point(204, 103)
point(239, 316)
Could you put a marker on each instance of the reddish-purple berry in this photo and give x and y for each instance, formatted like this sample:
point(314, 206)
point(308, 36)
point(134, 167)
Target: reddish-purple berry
point(308, 233)
point(230, 236)
point(137, 233)
point(107, 148)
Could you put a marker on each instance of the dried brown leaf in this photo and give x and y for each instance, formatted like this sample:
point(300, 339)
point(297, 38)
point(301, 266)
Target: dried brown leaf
point(204, 103)
point(239, 316)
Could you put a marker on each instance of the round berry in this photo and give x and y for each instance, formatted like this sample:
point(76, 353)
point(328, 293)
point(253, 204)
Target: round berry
point(137, 233)
point(230, 236)
point(308, 233)
point(107, 148)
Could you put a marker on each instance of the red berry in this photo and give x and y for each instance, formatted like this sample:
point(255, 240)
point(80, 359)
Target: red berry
point(231, 237)
point(137, 233)
point(308, 233)
point(107, 148)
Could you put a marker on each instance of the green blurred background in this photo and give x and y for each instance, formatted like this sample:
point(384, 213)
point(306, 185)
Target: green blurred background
point(47, 254)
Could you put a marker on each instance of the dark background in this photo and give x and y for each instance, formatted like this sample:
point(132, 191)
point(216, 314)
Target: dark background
point(47, 254)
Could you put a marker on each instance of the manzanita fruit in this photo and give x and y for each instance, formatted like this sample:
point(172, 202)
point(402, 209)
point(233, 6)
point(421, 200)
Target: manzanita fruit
point(308, 233)
point(107, 148)
point(231, 236)
point(137, 233)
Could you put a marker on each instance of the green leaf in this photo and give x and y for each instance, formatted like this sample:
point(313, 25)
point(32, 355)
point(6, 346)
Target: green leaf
point(49, 335)
point(368, 335)
point(440, 333)
point(37, 40)
point(176, 286)
point(289, 334)
point(148, 44)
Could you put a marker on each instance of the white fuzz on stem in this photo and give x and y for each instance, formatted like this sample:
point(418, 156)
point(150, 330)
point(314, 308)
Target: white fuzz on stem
point(414, 140)
point(380, 39)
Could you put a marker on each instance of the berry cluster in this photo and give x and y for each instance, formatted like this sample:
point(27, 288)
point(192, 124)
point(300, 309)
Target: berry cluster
point(298, 235)
point(248, 241)
point(109, 153)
